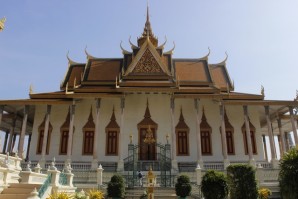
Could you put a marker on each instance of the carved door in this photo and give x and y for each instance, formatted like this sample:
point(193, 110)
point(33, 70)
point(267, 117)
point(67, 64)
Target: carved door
point(146, 151)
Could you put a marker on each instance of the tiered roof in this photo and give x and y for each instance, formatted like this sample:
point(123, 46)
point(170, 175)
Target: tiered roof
point(147, 68)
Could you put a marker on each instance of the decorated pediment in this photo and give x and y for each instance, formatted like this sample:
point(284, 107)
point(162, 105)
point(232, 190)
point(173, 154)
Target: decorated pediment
point(147, 62)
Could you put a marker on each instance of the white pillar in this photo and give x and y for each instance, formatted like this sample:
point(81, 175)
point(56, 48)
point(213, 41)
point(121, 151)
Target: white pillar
point(70, 133)
point(198, 133)
point(1, 112)
point(223, 136)
point(294, 127)
point(11, 134)
point(174, 161)
point(23, 132)
point(248, 136)
point(120, 165)
point(271, 138)
point(96, 135)
point(45, 137)
point(282, 137)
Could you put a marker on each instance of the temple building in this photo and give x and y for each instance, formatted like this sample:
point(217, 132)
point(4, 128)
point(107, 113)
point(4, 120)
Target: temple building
point(148, 108)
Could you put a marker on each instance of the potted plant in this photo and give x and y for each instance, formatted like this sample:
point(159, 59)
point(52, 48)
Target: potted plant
point(183, 187)
point(116, 187)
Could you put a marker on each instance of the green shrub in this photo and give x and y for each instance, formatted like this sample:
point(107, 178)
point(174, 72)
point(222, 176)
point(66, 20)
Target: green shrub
point(116, 187)
point(214, 185)
point(288, 175)
point(183, 187)
point(242, 182)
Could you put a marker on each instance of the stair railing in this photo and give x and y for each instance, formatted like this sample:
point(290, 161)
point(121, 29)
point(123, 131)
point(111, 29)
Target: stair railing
point(45, 186)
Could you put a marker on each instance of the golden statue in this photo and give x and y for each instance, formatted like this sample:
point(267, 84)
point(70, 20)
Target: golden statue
point(2, 21)
point(149, 138)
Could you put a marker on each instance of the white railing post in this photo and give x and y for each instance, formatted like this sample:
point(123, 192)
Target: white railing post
point(260, 173)
point(34, 194)
point(37, 168)
point(69, 175)
point(55, 174)
point(199, 174)
point(99, 175)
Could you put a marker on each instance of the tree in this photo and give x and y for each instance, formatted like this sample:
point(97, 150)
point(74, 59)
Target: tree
point(214, 185)
point(242, 182)
point(288, 175)
point(116, 187)
point(183, 187)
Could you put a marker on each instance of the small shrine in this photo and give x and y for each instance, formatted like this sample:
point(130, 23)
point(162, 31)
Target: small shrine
point(151, 183)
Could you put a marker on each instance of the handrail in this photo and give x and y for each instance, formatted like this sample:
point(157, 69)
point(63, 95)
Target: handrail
point(62, 179)
point(45, 186)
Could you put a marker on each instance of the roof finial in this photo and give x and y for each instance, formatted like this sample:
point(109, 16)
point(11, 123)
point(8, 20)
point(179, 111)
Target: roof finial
point(2, 21)
point(148, 19)
point(31, 89)
point(262, 91)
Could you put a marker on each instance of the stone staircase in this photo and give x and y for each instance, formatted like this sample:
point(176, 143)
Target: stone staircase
point(159, 193)
point(18, 191)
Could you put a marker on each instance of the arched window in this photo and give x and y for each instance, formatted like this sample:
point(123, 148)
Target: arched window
point(252, 137)
point(206, 130)
point(229, 135)
point(64, 135)
point(182, 139)
point(41, 136)
point(88, 131)
point(112, 136)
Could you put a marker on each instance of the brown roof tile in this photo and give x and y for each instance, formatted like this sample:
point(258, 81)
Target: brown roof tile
point(191, 71)
point(219, 76)
point(104, 70)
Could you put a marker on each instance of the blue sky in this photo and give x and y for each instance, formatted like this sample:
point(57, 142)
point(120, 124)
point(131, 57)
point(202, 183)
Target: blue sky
point(261, 38)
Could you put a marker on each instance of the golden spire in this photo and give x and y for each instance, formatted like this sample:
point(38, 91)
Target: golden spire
point(147, 33)
point(2, 21)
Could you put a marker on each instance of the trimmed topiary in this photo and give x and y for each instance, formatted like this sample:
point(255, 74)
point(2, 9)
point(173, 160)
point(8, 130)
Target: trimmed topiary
point(116, 187)
point(214, 185)
point(183, 186)
point(242, 182)
point(288, 175)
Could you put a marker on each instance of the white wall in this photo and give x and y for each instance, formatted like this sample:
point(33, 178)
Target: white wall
point(135, 105)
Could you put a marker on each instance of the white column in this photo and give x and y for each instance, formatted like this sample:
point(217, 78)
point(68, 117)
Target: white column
point(70, 133)
point(174, 161)
point(28, 147)
point(23, 131)
point(1, 112)
point(120, 166)
point(96, 135)
point(5, 142)
point(294, 127)
point(282, 137)
point(248, 136)
point(223, 136)
point(198, 133)
point(45, 137)
point(11, 134)
point(271, 138)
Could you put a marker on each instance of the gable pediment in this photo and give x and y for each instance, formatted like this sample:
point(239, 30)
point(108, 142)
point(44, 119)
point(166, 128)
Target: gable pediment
point(147, 62)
